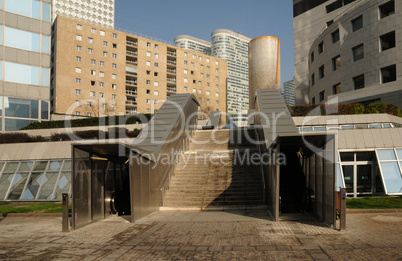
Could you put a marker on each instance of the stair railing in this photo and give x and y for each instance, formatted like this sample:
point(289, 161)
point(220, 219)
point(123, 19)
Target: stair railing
point(262, 168)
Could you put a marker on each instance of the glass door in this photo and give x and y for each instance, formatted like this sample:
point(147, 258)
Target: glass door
point(363, 178)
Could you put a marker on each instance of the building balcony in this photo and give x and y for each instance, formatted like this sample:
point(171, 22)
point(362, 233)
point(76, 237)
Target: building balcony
point(132, 44)
point(132, 83)
point(171, 71)
point(131, 62)
point(170, 62)
point(132, 74)
point(132, 53)
point(173, 54)
point(171, 80)
point(132, 111)
point(171, 89)
point(131, 93)
point(131, 103)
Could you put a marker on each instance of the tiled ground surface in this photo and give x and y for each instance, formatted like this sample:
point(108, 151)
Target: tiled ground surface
point(176, 235)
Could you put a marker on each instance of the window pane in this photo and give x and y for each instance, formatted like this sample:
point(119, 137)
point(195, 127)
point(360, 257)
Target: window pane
point(364, 156)
point(363, 181)
point(49, 181)
point(45, 12)
point(45, 77)
point(33, 185)
point(44, 110)
point(30, 8)
point(14, 124)
point(399, 152)
point(5, 181)
point(25, 166)
point(1, 31)
point(67, 165)
point(11, 167)
point(339, 183)
point(22, 39)
point(347, 156)
point(392, 177)
point(40, 166)
point(1, 165)
point(63, 186)
point(1, 78)
point(21, 73)
point(18, 185)
point(55, 165)
point(348, 176)
point(386, 155)
point(21, 108)
point(45, 44)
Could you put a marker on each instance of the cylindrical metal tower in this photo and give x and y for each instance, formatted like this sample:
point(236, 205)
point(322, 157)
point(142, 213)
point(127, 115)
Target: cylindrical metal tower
point(264, 65)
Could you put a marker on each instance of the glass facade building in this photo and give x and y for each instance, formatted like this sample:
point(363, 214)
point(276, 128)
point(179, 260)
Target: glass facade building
point(289, 92)
point(44, 180)
point(25, 68)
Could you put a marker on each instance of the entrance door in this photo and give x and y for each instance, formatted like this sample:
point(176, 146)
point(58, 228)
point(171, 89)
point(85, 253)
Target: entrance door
point(358, 179)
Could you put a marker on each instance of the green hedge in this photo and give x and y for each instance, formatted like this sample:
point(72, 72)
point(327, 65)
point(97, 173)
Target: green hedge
point(344, 109)
point(92, 121)
point(85, 135)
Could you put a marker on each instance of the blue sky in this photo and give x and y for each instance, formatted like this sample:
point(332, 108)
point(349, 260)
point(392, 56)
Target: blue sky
point(165, 19)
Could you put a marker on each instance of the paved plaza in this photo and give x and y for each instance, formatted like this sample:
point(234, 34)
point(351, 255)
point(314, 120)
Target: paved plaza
point(194, 235)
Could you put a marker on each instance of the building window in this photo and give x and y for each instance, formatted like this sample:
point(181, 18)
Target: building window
point(148, 91)
point(217, 86)
point(320, 47)
point(114, 76)
point(357, 23)
point(312, 79)
point(114, 66)
point(217, 78)
point(185, 62)
point(78, 81)
point(101, 94)
point(217, 102)
point(358, 82)
point(387, 41)
point(78, 59)
point(114, 86)
point(101, 84)
point(148, 82)
point(113, 96)
point(321, 72)
point(202, 75)
point(313, 101)
point(93, 83)
point(312, 57)
point(93, 30)
point(148, 72)
point(156, 83)
point(208, 93)
point(388, 74)
point(105, 43)
point(156, 93)
point(78, 37)
point(358, 52)
point(185, 54)
point(104, 54)
point(336, 62)
point(200, 83)
point(202, 66)
point(90, 40)
point(156, 56)
point(102, 74)
point(89, 104)
point(77, 113)
point(102, 33)
point(156, 46)
point(330, 22)
point(322, 96)
point(114, 46)
point(192, 72)
point(185, 80)
point(148, 101)
point(207, 60)
point(192, 64)
point(148, 63)
point(149, 54)
point(194, 90)
point(336, 88)
point(332, 7)
point(78, 70)
point(93, 72)
point(78, 48)
point(194, 56)
point(114, 56)
point(114, 36)
point(387, 9)
point(148, 44)
point(92, 94)
point(217, 62)
point(335, 36)
point(208, 68)
point(93, 62)
point(185, 89)
point(77, 103)
point(78, 92)
point(79, 27)
point(156, 64)
point(90, 50)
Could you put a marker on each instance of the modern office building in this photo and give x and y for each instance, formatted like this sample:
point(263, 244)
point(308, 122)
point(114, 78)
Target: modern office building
point(357, 58)
point(101, 71)
point(99, 12)
point(232, 47)
point(289, 92)
point(25, 32)
point(309, 19)
point(193, 44)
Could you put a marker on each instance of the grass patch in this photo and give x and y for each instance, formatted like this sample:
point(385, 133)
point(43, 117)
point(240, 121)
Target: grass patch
point(374, 203)
point(30, 208)
point(4, 203)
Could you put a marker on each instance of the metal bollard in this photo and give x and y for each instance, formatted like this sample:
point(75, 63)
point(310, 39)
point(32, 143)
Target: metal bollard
point(343, 209)
point(65, 212)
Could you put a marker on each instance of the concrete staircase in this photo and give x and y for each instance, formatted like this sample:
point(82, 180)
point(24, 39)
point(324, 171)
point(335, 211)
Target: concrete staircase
point(211, 175)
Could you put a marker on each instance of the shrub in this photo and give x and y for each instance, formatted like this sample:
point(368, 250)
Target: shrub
point(19, 138)
point(302, 110)
point(352, 108)
point(60, 137)
point(382, 108)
